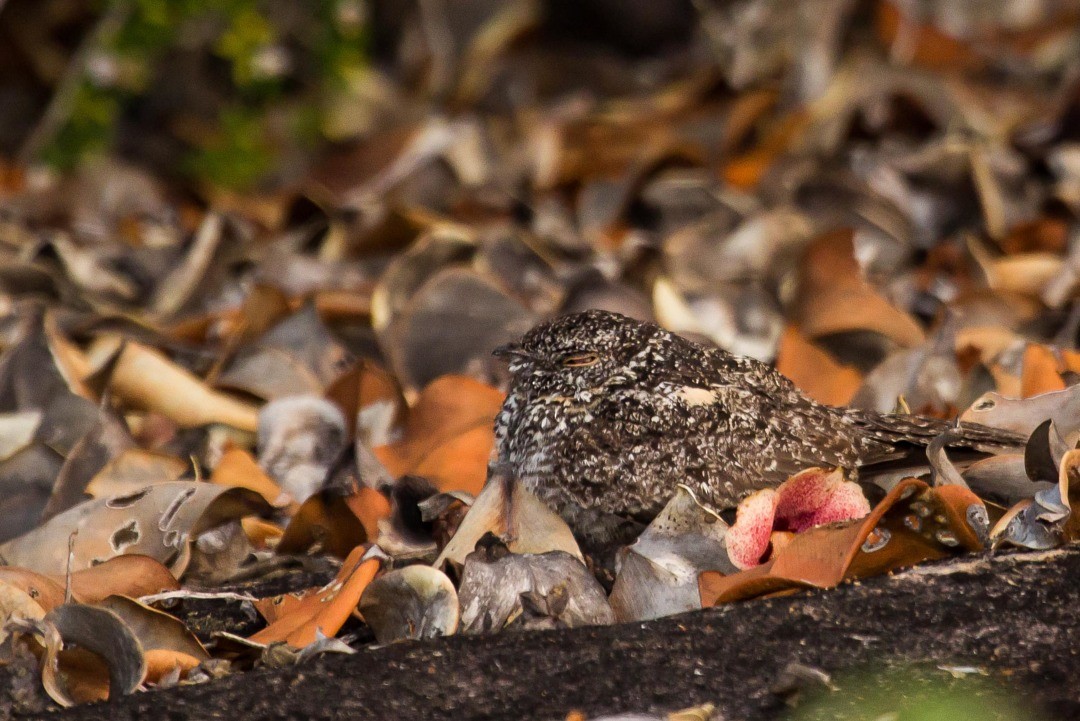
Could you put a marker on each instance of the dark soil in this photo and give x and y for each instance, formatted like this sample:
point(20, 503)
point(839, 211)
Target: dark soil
point(1005, 627)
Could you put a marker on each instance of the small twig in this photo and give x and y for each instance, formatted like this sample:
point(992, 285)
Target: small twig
point(198, 595)
point(60, 105)
point(70, 562)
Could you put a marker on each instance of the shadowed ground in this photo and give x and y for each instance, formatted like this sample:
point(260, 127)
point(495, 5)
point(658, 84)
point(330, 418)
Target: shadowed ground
point(1013, 615)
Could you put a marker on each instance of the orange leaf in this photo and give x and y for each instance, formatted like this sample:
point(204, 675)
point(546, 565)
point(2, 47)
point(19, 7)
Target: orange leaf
point(161, 661)
point(815, 371)
point(1040, 371)
point(369, 506)
point(449, 435)
point(912, 524)
point(123, 575)
point(326, 608)
point(327, 520)
point(835, 298)
point(238, 469)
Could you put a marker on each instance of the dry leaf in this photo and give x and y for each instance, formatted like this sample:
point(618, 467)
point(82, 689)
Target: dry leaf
point(449, 435)
point(159, 521)
point(814, 371)
point(297, 619)
point(912, 524)
point(237, 469)
point(507, 510)
point(410, 603)
point(145, 379)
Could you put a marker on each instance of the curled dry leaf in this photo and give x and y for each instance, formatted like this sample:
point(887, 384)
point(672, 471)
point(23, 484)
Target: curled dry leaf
point(99, 636)
point(553, 589)
point(912, 524)
point(449, 435)
point(145, 379)
point(1046, 520)
point(659, 573)
point(297, 619)
point(166, 641)
point(1002, 479)
point(507, 510)
point(410, 603)
point(158, 521)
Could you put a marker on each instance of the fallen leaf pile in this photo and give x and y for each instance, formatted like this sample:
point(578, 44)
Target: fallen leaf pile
point(198, 389)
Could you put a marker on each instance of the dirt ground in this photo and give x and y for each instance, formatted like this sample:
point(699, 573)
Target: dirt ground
point(999, 632)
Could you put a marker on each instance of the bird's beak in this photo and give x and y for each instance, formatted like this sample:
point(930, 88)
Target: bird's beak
point(510, 351)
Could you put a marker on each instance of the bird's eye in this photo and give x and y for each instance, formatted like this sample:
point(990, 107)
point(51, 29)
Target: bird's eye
point(579, 360)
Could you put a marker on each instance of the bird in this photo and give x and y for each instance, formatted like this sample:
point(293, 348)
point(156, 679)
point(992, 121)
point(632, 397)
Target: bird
point(606, 415)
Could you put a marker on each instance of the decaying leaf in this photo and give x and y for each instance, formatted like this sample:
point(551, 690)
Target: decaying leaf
point(410, 603)
point(659, 573)
point(159, 521)
point(913, 523)
point(1024, 416)
point(553, 589)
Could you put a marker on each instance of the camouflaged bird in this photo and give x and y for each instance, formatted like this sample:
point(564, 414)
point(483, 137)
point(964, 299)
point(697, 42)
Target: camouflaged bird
point(606, 414)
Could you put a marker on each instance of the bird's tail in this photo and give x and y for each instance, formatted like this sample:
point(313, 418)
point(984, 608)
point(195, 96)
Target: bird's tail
point(899, 430)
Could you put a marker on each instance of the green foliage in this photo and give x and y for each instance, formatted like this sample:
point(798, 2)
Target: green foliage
point(284, 61)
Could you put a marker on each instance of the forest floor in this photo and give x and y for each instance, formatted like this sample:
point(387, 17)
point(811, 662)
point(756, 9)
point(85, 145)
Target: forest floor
point(996, 634)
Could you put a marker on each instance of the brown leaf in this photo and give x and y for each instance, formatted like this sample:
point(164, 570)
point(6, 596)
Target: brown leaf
point(1040, 371)
point(334, 522)
point(145, 379)
point(295, 619)
point(449, 435)
point(237, 469)
point(814, 371)
point(834, 297)
point(912, 524)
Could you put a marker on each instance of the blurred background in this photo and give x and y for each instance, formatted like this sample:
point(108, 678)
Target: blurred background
point(878, 195)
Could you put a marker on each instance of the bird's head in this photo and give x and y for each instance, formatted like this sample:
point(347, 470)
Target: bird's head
point(579, 352)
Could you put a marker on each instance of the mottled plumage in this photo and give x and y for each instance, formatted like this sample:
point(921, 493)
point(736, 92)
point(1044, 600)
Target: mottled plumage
point(608, 414)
